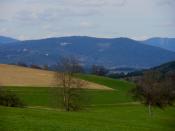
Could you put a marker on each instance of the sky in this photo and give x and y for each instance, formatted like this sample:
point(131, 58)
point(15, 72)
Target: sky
point(137, 19)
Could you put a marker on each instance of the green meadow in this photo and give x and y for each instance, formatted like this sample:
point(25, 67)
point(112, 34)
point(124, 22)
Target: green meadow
point(113, 110)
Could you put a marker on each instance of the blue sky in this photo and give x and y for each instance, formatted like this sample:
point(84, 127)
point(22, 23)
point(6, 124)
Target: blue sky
point(138, 19)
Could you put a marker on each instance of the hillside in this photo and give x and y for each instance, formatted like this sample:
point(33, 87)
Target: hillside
point(163, 68)
point(117, 52)
point(20, 76)
point(165, 43)
point(105, 111)
point(167, 67)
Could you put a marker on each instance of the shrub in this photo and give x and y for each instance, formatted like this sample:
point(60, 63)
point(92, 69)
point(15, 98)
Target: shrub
point(7, 98)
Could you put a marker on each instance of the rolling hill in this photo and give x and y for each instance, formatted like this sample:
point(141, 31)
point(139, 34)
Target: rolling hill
point(105, 111)
point(165, 43)
point(167, 67)
point(116, 52)
point(20, 76)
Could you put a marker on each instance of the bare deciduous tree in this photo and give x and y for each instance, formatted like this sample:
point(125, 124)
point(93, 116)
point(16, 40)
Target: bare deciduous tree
point(154, 90)
point(69, 86)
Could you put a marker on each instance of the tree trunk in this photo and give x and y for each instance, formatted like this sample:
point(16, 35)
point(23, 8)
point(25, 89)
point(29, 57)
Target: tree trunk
point(150, 112)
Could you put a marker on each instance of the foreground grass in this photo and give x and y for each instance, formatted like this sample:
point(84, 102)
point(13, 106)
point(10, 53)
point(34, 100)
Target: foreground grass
point(106, 110)
point(122, 118)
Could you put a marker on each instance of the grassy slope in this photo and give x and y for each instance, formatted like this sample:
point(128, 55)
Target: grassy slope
point(122, 88)
point(42, 96)
point(112, 83)
point(120, 115)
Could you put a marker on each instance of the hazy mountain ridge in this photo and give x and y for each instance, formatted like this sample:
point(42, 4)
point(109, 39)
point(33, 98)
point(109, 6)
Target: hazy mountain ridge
point(115, 52)
point(165, 43)
point(6, 40)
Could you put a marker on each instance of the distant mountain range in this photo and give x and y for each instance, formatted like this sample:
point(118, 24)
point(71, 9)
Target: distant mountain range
point(165, 43)
point(111, 53)
point(5, 40)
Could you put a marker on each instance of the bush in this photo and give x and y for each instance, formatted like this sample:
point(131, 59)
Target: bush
point(7, 98)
